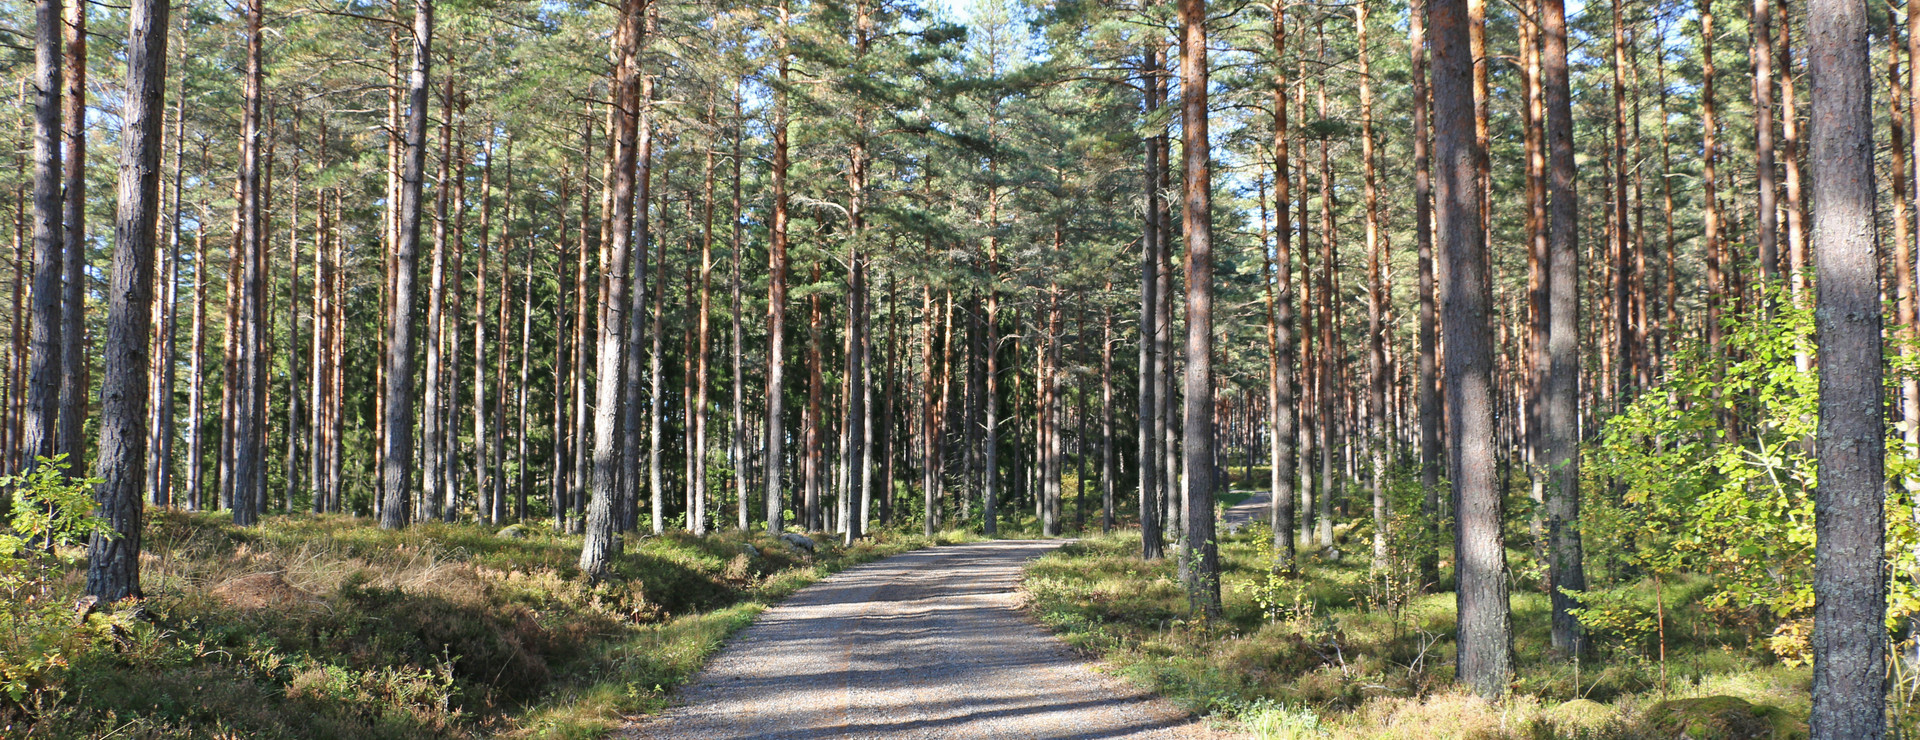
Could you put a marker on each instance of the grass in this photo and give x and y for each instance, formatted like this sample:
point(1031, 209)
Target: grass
point(1334, 653)
point(328, 627)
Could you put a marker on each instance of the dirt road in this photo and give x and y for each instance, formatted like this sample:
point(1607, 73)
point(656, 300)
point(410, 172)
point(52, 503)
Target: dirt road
point(928, 644)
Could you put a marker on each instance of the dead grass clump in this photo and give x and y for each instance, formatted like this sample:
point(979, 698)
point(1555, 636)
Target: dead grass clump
point(258, 591)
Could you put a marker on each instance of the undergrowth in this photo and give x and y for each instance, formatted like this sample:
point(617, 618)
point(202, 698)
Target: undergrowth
point(328, 627)
point(1333, 653)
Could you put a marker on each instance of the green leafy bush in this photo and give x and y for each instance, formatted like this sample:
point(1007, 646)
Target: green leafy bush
point(40, 634)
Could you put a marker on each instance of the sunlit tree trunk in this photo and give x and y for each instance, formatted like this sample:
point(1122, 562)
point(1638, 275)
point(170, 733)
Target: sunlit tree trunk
point(1203, 583)
point(1484, 631)
point(602, 542)
point(1850, 599)
point(398, 477)
point(113, 562)
point(73, 310)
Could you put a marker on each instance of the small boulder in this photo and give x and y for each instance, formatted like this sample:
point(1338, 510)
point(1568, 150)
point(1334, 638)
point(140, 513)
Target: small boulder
point(513, 532)
point(749, 550)
point(1721, 718)
point(798, 542)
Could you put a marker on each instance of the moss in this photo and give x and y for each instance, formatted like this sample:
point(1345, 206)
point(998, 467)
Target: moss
point(1721, 718)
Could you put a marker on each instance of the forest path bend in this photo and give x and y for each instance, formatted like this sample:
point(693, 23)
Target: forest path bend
point(926, 644)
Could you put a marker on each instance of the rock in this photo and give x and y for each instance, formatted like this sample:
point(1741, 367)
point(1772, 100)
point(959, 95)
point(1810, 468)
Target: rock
point(1331, 554)
point(513, 532)
point(1721, 718)
point(797, 542)
point(749, 549)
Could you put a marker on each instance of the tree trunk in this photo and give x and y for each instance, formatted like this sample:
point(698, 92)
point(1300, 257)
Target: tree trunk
point(1203, 583)
point(73, 311)
point(1427, 395)
point(434, 441)
point(1850, 600)
point(483, 465)
point(1485, 632)
point(1376, 437)
point(1760, 29)
point(1560, 422)
point(736, 437)
point(777, 296)
point(1709, 160)
point(113, 570)
point(398, 474)
point(1790, 156)
point(43, 374)
point(602, 543)
point(248, 416)
point(1147, 459)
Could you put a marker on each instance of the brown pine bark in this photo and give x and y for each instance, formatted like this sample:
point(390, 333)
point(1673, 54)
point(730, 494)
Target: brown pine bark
point(1622, 349)
point(73, 310)
point(1283, 399)
point(1711, 216)
point(1203, 582)
point(697, 486)
point(1759, 24)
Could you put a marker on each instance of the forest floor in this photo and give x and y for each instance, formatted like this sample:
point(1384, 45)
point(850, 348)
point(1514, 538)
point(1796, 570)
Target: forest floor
point(329, 627)
point(925, 644)
point(1336, 653)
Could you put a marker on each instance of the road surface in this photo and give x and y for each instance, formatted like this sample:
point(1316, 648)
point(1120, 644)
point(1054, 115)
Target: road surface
point(927, 644)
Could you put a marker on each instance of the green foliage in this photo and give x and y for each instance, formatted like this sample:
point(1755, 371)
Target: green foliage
point(40, 634)
point(1714, 475)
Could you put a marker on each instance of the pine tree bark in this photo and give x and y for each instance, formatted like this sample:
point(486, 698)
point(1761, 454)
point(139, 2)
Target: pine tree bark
point(1485, 630)
point(1376, 434)
point(1147, 462)
point(602, 543)
point(777, 296)
point(1427, 395)
point(73, 310)
point(1849, 633)
point(433, 442)
point(1711, 216)
point(113, 563)
point(248, 411)
point(1560, 422)
point(1759, 24)
point(1284, 399)
point(1203, 583)
point(398, 475)
point(736, 437)
point(49, 241)
point(1790, 159)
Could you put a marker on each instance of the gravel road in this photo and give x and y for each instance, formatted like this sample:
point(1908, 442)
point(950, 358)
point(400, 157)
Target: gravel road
point(1251, 511)
point(927, 644)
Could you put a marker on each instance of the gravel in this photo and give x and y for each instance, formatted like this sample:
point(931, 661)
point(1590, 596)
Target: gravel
point(928, 644)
